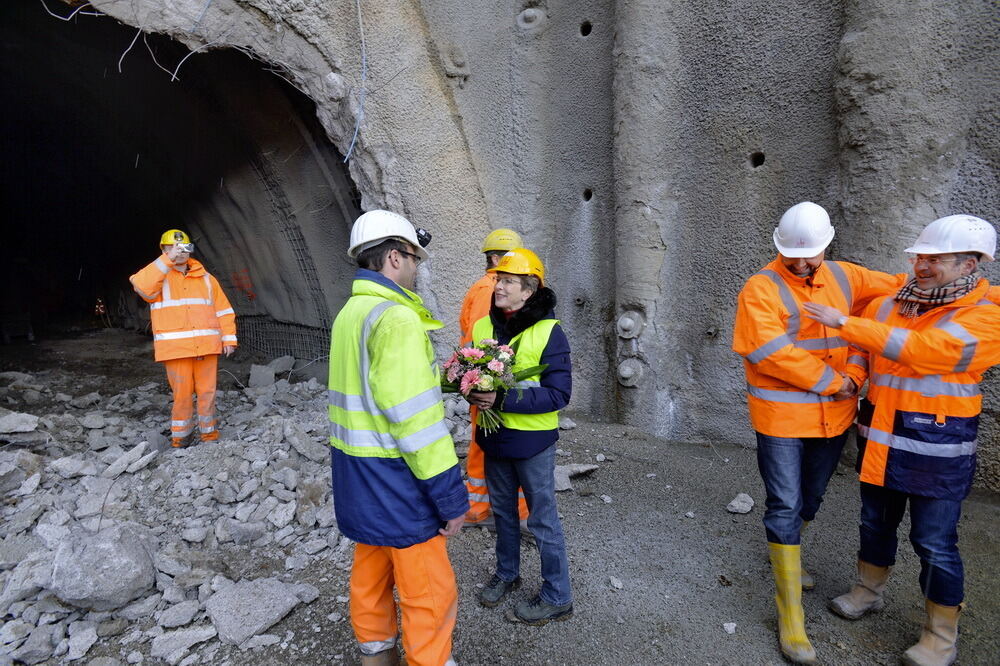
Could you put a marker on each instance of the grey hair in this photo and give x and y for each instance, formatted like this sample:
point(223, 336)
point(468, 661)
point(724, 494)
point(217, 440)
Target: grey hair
point(530, 282)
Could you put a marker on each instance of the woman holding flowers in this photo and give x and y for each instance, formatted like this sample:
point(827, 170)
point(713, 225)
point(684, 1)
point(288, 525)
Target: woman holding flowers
point(520, 444)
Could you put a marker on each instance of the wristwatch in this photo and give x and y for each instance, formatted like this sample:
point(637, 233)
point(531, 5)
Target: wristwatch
point(841, 321)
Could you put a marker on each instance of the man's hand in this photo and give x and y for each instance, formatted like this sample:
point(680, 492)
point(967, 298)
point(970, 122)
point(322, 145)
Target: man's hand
point(848, 390)
point(452, 527)
point(482, 399)
point(228, 350)
point(824, 314)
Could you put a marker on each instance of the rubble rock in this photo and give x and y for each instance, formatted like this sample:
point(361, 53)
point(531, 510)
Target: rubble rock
point(305, 444)
point(282, 365)
point(37, 648)
point(16, 548)
point(261, 376)
point(179, 615)
point(93, 421)
point(142, 462)
point(80, 642)
point(171, 642)
point(11, 422)
point(564, 472)
point(248, 608)
point(141, 608)
point(27, 579)
point(85, 401)
point(126, 459)
point(104, 570)
point(566, 423)
point(70, 467)
point(742, 503)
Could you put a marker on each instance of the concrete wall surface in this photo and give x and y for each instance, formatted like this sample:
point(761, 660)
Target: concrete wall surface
point(644, 148)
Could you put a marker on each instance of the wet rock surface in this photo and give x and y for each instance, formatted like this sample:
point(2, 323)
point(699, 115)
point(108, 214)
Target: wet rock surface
point(246, 565)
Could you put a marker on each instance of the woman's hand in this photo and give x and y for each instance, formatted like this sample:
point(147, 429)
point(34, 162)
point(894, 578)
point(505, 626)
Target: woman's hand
point(482, 399)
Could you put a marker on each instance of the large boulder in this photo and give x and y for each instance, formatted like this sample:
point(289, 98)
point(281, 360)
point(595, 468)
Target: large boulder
point(105, 570)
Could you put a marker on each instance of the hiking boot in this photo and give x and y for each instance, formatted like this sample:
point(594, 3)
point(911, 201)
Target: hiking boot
point(496, 590)
point(537, 611)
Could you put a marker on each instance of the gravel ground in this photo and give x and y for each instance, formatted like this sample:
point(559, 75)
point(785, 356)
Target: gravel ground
point(685, 565)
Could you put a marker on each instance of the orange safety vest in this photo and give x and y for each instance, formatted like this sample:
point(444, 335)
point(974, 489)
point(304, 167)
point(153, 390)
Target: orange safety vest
point(794, 364)
point(922, 414)
point(190, 314)
point(475, 306)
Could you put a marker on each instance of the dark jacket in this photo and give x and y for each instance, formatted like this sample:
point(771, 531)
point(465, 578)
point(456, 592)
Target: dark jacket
point(556, 381)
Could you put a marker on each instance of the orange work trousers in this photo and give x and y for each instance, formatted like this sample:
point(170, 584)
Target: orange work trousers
point(187, 377)
point(428, 597)
point(479, 496)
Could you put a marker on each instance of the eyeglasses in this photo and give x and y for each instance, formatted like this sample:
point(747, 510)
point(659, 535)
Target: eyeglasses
point(933, 260)
point(508, 281)
point(416, 258)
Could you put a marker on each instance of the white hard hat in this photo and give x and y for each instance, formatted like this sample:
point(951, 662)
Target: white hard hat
point(376, 226)
point(804, 231)
point(957, 233)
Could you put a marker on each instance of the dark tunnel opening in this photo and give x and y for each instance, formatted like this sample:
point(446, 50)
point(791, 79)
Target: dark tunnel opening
point(97, 163)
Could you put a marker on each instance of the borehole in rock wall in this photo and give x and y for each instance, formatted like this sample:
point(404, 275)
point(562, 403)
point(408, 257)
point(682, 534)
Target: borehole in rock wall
point(97, 163)
point(585, 28)
point(756, 159)
point(588, 194)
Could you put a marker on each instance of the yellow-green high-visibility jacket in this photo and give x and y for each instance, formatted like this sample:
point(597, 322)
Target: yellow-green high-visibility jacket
point(396, 478)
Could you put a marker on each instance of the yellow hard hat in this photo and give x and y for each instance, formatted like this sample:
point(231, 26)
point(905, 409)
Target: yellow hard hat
point(520, 261)
point(501, 239)
point(173, 236)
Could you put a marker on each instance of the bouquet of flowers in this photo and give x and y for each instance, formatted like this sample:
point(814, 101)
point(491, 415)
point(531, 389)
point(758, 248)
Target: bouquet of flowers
point(484, 366)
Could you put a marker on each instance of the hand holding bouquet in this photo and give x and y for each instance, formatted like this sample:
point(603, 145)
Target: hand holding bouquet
point(485, 366)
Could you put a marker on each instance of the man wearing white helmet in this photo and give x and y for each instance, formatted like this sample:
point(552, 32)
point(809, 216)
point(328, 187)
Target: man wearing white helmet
point(397, 486)
point(802, 382)
point(929, 346)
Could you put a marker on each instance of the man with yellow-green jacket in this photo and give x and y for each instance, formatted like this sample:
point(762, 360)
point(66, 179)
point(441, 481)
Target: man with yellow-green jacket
point(397, 486)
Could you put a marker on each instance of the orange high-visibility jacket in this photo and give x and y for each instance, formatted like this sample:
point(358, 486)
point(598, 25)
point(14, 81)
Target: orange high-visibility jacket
point(922, 414)
point(190, 314)
point(475, 306)
point(794, 364)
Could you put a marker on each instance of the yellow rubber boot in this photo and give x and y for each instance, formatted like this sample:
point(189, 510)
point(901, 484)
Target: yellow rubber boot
point(807, 580)
point(787, 567)
point(937, 644)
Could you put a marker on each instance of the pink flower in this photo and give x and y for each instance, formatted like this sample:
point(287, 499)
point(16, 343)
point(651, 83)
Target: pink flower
point(506, 348)
point(489, 342)
point(469, 380)
point(453, 372)
point(495, 366)
point(471, 352)
point(451, 361)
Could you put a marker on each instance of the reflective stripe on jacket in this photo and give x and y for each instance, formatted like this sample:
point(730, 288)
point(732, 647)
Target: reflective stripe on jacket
point(395, 473)
point(475, 306)
point(189, 313)
point(794, 364)
point(922, 419)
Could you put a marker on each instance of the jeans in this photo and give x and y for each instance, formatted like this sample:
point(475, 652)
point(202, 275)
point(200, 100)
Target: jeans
point(933, 533)
point(535, 476)
point(795, 473)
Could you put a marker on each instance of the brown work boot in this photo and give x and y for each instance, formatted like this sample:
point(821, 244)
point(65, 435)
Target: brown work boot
point(937, 644)
point(866, 594)
point(388, 657)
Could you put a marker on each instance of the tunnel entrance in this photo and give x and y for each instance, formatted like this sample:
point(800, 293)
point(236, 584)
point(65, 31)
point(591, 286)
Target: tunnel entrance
point(97, 163)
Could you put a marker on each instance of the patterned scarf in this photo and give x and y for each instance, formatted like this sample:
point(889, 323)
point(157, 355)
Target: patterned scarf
point(912, 299)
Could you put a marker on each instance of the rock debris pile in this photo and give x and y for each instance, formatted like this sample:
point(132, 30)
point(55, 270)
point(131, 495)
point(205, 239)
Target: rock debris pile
point(107, 531)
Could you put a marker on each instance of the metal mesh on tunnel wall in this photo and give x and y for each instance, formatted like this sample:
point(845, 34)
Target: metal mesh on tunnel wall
point(274, 338)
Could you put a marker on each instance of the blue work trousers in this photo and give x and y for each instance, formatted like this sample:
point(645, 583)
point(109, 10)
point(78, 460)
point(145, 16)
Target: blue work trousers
point(795, 471)
point(535, 477)
point(933, 533)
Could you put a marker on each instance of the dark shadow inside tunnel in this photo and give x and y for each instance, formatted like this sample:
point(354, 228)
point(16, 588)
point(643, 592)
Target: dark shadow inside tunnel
point(97, 163)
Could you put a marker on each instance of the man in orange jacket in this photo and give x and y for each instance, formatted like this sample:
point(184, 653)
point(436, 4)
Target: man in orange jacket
point(193, 323)
point(929, 345)
point(802, 384)
point(475, 306)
